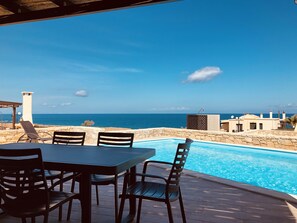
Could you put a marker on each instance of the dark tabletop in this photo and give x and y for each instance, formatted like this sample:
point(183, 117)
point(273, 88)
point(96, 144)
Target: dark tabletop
point(92, 159)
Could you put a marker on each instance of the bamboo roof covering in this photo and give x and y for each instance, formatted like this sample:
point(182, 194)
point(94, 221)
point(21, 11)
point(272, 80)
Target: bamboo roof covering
point(18, 11)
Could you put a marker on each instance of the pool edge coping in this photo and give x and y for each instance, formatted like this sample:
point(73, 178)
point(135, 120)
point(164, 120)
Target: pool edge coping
point(228, 144)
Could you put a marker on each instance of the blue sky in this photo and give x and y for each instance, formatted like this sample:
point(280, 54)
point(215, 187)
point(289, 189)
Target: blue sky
point(226, 56)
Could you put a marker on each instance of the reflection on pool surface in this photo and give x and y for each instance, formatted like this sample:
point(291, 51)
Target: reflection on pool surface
point(270, 169)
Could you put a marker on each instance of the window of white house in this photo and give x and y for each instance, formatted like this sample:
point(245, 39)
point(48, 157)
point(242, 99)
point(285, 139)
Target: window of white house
point(253, 125)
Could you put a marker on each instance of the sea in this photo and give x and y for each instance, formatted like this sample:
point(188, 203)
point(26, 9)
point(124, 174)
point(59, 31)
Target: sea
point(133, 121)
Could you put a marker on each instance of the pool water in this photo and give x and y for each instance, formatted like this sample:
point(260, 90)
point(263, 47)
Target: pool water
point(270, 169)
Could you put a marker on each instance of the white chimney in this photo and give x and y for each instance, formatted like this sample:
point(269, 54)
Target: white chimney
point(284, 115)
point(261, 115)
point(270, 115)
point(27, 106)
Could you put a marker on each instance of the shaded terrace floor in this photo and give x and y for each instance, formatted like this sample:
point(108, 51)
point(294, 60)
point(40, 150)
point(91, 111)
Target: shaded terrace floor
point(204, 200)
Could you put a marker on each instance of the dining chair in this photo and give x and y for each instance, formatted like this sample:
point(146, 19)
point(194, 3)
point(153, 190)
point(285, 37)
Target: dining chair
point(167, 191)
point(64, 138)
point(69, 138)
point(23, 187)
point(31, 134)
point(110, 139)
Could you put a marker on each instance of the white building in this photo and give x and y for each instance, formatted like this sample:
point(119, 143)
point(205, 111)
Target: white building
point(250, 122)
point(27, 106)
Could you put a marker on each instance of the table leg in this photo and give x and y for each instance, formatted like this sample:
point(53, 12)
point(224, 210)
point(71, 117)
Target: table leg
point(132, 201)
point(85, 191)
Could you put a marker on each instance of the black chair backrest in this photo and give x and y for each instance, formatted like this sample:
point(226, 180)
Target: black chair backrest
point(115, 139)
point(178, 165)
point(22, 178)
point(29, 129)
point(69, 138)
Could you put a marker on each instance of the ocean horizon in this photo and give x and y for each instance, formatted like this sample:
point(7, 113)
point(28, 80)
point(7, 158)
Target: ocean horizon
point(133, 121)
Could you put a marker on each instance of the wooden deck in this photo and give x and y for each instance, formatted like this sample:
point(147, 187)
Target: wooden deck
point(205, 201)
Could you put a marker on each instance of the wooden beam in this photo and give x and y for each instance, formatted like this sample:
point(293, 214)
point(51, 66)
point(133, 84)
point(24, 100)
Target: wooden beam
point(62, 3)
point(72, 10)
point(8, 104)
point(13, 7)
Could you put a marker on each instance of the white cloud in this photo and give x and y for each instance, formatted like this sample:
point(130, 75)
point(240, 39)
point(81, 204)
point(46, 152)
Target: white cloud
point(291, 105)
point(81, 93)
point(56, 105)
point(126, 70)
point(204, 74)
point(180, 108)
point(95, 68)
point(65, 103)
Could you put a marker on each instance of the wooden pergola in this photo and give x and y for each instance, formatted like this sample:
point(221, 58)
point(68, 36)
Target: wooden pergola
point(18, 11)
point(13, 105)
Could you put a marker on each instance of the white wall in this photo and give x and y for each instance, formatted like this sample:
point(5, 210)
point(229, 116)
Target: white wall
point(268, 124)
point(27, 106)
point(213, 123)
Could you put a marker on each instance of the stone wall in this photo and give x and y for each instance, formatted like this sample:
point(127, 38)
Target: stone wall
point(279, 141)
point(263, 139)
point(289, 133)
point(12, 135)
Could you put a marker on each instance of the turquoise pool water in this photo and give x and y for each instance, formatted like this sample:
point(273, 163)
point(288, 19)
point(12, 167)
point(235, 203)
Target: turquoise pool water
point(270, 169)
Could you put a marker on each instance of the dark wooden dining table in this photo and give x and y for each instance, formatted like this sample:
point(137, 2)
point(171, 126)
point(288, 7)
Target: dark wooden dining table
point(88, 160)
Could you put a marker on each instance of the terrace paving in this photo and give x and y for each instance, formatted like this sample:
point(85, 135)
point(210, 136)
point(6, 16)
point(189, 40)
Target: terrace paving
point(205, 202)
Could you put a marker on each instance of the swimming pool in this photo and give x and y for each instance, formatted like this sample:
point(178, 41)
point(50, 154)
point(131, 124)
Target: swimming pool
point(270, 169)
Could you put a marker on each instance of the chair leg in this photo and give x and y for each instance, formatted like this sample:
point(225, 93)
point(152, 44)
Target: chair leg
point(182, 207)
point(116, 210)
point(1, 211)
point(60, 213)
point(69, 210)
point(139, 210)
point(33, 220)
point(120, 215)
point(70, 202)
point(45, 219)
point(97, 195)
point(24, 220)
point(125, 185)
point(169, 211)
point(52, 183)
point(60, 208)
